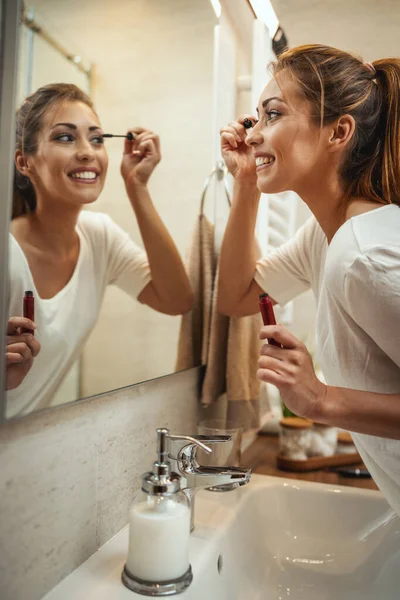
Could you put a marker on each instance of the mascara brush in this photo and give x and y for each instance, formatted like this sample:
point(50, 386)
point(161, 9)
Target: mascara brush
point(129, 136)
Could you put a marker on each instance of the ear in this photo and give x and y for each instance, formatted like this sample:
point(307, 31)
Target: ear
point(21, 163)
point(341, 133)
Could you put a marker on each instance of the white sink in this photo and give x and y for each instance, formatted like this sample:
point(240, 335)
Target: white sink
point(275, 539)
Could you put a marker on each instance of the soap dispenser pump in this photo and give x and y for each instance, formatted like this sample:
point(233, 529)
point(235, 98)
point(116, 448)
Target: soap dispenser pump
point(158, 555)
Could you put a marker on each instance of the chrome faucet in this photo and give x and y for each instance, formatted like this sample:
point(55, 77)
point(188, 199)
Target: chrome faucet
point(183, 456)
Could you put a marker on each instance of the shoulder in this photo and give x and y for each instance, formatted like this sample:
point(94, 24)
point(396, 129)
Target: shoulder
point(366, 250)
point(309, 244)
point(374, 235)
point(311, 231)
point(377, 228)
point(16, 257)
point(99, 229)
point(309, 238)
point(19, 275)
point(90, 221)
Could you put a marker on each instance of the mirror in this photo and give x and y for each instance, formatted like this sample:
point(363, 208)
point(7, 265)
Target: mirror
point(144, 63)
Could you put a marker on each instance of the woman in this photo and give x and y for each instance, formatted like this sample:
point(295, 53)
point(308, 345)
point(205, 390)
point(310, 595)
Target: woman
point(68, 256)
point(329, 129)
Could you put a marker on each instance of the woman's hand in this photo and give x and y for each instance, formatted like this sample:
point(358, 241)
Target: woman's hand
point(291, 370)
point(140, 157)
point(238, 156)
point(21, 349)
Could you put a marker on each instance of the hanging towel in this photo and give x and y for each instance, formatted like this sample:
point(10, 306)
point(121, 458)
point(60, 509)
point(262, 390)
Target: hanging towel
point(195, 325)
point(227, 346)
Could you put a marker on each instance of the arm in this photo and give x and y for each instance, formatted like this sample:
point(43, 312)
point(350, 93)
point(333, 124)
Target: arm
point(291, 370)
point(362, 412)
point(237, 291)
point(284, 273)
point(169, 290)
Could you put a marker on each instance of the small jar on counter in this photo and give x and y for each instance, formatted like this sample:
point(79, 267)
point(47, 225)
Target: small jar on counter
point(295, 437)
point(323, 440)
point(345, 443)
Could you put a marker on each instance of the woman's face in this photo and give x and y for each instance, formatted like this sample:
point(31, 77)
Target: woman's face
point(70, 163)
point(287, 144)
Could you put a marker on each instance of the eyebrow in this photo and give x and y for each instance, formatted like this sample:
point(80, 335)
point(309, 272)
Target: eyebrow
point(72, 126)
point(268, 100)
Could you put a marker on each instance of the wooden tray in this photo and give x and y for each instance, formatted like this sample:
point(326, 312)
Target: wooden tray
point(317, 462)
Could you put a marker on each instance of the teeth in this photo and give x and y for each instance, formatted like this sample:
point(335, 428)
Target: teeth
point(264, 160)
point(84, 175)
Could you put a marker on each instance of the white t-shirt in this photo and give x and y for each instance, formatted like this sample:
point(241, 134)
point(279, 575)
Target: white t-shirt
point(107, 256)
point(356, 283)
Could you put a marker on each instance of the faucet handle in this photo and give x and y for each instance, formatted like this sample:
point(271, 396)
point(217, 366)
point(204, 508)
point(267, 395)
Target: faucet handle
point(214, 439)
point(193, 444)
point(187, 451)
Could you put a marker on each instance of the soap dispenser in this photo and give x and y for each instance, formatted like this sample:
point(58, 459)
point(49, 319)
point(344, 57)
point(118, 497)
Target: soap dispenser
point(159, 529)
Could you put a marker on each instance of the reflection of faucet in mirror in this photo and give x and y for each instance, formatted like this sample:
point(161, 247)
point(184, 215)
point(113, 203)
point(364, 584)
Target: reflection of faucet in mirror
point(183, 457)
point(68, 256)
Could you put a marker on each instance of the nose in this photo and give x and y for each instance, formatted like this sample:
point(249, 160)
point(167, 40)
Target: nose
point(85, 150)
point(254, 137)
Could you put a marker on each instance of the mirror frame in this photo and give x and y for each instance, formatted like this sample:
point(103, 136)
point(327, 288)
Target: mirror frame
point(9, 22)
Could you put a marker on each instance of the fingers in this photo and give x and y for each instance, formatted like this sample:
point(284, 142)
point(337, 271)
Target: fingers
point(141, 135)
point(147, 147)
point(281, 335)
point(13, 358)
point(233, 134)
point(280, 367)
point(15, 323)
point(229, 139)
point(270, 377)
point(235, 131)
point(27, 339)
point(20, 348)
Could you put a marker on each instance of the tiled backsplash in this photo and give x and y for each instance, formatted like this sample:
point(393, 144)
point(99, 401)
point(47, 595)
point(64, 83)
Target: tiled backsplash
point(68, 477)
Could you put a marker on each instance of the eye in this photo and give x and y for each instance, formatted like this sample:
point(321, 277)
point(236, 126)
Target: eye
point(272, 114)
point(97, 140)
point(65, 137)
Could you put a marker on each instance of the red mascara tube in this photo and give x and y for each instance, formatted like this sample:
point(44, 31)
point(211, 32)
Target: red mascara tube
point(268, 316)
point(29, 310)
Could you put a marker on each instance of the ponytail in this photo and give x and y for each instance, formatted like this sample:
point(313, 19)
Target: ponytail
point(24, 195)
point(388, 80)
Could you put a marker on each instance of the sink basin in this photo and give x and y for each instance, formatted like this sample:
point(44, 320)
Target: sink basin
point(274, 539)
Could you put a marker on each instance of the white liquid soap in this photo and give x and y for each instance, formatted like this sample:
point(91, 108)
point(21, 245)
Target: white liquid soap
point(159, 529)
point(159, 539)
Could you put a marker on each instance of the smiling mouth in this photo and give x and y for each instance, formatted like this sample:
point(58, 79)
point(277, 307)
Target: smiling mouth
point(84, 177)
point(264, 161)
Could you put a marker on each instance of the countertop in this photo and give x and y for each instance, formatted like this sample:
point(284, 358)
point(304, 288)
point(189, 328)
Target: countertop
point(261, 458)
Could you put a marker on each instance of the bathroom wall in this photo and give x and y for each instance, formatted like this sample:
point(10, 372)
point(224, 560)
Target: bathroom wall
point(68, 476)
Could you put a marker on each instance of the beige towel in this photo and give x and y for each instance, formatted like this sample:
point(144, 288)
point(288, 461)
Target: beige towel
point(229, 347)
point(195, 325)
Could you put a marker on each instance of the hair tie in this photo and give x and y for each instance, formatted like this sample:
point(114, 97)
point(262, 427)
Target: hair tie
point(371, 68)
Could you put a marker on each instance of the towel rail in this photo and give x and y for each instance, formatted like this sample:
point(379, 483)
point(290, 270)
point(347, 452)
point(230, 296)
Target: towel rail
point(220, 173)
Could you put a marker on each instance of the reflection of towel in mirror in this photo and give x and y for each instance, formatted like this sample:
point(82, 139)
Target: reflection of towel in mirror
point(229, 347)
